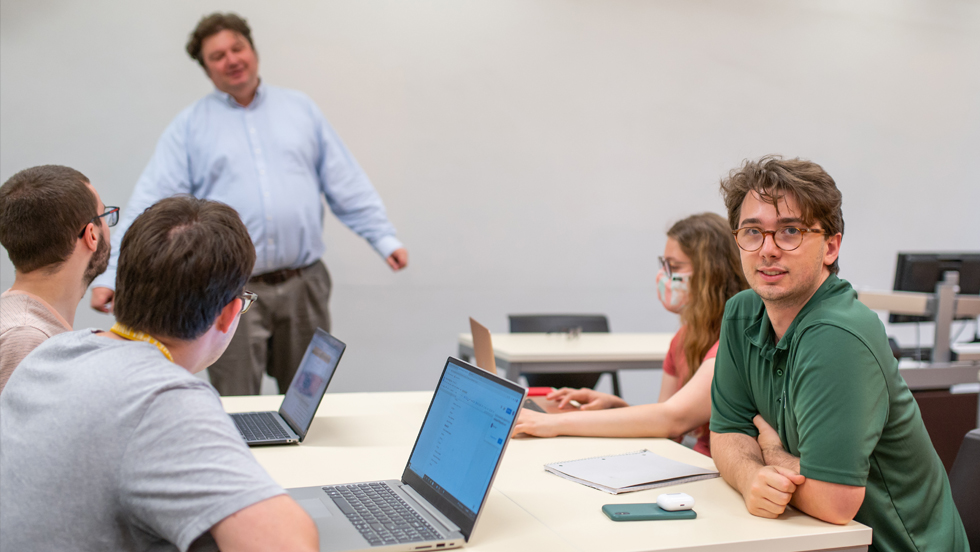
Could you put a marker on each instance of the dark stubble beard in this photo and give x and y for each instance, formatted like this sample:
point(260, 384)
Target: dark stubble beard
point(99, 261)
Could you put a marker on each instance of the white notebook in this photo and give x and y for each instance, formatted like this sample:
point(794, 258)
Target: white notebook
point(633, 471)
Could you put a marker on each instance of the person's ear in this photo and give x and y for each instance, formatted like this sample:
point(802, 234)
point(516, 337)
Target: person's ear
point(226, 318)
point(90, 237)
point(833, 249)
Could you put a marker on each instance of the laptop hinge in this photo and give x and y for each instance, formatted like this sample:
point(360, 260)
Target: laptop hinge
point(289, 423)
point(429, 508)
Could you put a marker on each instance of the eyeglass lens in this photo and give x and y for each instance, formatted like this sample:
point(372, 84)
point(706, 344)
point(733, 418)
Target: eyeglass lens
point(111, 215)
point(787, 238)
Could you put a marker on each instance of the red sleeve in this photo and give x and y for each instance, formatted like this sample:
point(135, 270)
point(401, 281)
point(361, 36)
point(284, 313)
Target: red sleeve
point(712, 352)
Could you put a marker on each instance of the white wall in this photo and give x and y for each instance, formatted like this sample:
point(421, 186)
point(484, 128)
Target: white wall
point(532, 153)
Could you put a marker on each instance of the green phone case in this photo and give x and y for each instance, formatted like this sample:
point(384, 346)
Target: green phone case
point(646, 511)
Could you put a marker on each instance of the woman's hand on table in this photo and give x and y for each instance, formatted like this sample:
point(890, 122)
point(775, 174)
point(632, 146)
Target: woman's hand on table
point(536, 424)
point(590, 399)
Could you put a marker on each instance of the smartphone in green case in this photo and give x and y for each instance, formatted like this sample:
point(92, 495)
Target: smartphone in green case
point(645, 511)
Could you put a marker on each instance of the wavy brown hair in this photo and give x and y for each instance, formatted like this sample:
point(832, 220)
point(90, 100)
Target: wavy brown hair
point(717, 275)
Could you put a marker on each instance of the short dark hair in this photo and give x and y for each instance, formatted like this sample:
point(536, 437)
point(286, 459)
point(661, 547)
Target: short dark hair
point(180, 263)
point(772, 176)
point(213, 24)
point(42, 210)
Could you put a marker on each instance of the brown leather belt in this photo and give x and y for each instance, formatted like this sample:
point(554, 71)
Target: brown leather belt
point(278, 276)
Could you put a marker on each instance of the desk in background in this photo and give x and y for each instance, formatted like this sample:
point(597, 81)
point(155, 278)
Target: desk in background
point(367, 436)
point(542, 353)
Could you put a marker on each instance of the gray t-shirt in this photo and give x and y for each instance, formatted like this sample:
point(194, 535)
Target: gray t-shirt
point(107, 445)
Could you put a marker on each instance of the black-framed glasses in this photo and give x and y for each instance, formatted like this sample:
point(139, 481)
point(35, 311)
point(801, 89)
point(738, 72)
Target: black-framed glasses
point(247, 298)
point(112, 214)
point(666, 265)
point(786, 238)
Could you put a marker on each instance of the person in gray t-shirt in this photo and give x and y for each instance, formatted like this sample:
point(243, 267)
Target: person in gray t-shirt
point(107, 440)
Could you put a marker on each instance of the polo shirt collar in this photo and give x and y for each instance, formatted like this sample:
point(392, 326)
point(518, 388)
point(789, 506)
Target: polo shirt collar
point(760, 332)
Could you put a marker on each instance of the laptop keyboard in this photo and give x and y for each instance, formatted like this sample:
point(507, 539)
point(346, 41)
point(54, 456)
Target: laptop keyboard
point(380, 514)
point(259, 426)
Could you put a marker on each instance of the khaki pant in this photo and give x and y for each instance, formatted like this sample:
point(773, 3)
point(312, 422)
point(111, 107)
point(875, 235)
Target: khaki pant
point(273, 335)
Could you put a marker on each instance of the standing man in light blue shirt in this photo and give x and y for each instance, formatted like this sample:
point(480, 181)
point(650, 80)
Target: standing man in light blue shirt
point(269, 153)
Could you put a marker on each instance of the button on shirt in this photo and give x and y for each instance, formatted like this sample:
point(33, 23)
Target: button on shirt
point(271, 161)
point(831, 389)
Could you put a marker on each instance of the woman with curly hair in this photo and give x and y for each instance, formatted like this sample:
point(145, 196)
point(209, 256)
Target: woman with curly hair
point(700, 271)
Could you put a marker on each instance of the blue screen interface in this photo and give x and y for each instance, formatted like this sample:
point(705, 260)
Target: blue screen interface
point(310, 381)
point(463, 436)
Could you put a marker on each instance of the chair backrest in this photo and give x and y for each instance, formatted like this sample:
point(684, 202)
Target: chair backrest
point(543, 323)
point(964, 480)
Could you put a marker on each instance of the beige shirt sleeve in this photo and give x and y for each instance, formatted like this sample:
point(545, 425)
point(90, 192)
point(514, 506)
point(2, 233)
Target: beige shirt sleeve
point(15, 344)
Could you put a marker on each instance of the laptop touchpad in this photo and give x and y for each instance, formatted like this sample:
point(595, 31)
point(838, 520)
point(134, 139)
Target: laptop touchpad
point(315, 508)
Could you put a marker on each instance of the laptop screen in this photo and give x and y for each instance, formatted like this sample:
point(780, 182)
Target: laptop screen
point(462, 440)
point(310, 381)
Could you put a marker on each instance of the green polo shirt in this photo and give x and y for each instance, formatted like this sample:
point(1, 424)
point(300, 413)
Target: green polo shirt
point(832, 390)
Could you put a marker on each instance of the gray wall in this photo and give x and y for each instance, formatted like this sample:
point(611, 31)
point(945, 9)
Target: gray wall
point(532, 153)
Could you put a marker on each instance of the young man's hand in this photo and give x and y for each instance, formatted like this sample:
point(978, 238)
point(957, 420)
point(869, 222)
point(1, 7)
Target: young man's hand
point(769, 490)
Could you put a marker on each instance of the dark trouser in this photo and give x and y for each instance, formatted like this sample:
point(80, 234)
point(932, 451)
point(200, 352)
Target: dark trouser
point(273, 335)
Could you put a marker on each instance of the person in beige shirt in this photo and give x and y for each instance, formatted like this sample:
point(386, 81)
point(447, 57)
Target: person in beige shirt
point(55, 229)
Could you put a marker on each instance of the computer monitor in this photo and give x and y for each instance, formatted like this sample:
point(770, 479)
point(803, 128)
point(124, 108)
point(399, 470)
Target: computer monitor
point(922, 271)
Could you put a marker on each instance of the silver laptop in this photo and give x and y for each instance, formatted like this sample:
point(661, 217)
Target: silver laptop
point(291, 423)
point(437, 502)
point(483, 354)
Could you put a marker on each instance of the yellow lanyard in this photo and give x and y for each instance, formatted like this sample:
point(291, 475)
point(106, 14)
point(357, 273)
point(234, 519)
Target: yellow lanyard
point(128, 333)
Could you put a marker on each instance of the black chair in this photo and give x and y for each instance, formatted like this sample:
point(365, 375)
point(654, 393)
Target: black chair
point(546, 323)
point(964, 480)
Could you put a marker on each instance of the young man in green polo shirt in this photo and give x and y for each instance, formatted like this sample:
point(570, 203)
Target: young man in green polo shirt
point(808, 407)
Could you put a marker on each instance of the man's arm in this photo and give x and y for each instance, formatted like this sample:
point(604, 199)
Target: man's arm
point(766, 489)
point(277, 523)
point(351, 196)
point(830, 502)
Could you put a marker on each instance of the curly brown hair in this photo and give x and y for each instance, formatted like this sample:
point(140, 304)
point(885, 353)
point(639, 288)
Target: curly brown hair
point(716, 277)
point(772, 176)
point(213, 24)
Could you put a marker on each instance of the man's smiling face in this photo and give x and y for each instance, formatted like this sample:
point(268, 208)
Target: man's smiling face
point(783, 278)
point(230, 62)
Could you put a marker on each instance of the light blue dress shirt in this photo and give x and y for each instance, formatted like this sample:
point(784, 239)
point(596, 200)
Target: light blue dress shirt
point(270, 161)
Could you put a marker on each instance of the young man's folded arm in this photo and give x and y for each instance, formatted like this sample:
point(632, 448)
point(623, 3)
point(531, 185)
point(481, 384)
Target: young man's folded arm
point(830, 502)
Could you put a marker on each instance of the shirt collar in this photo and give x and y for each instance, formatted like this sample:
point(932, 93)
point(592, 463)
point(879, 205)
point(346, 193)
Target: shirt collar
point(760, 332)
point(230, 100)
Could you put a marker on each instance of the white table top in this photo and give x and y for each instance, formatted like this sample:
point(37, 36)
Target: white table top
point(585, 347)
point(368, 436)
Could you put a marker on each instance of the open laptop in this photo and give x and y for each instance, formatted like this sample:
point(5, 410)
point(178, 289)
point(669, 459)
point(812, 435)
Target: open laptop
point(442, 491)
point(483, 354)
point(290, 424)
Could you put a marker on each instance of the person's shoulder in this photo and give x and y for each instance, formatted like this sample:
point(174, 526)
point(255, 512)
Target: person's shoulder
point(839, 306)
point(198, 110)
point(281, 93)
point(107, 360)
point(744, 305)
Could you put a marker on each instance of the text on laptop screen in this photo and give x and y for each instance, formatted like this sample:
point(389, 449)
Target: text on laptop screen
point(463, 436)
point(308, 384)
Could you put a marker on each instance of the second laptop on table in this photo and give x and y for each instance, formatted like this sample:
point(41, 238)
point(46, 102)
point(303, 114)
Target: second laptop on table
point(291, 423)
